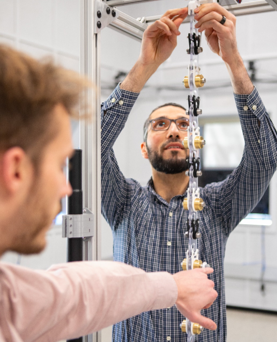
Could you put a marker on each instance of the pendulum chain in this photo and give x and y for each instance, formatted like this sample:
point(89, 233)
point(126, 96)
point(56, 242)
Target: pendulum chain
point(194, 142)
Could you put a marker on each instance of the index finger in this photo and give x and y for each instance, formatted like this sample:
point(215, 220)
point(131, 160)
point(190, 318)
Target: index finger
point(177, 12)
point(207, 8)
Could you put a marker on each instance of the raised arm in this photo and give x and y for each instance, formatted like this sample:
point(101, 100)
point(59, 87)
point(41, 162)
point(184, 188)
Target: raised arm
point(222, 41)
point(159, 40)
point(235, 197)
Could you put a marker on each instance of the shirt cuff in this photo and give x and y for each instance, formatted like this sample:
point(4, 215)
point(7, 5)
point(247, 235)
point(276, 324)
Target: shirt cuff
point(166, 291)
point(249, 105)
point(122, 100)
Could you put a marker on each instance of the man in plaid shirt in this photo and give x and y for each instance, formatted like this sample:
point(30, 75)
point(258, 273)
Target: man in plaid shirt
point(149, 222)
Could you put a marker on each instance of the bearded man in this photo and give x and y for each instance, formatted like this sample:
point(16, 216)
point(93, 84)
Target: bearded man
point(149, 223)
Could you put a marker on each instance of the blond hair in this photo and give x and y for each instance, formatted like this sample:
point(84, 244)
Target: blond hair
point(29, 91)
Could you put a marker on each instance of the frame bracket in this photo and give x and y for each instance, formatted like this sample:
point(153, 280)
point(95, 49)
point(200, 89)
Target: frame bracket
point(78, 226)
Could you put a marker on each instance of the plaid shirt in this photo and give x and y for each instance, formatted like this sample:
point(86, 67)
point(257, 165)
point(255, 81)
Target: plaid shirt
point(148, 232)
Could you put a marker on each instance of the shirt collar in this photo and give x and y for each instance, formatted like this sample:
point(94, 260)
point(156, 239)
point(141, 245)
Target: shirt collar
point(156, 197)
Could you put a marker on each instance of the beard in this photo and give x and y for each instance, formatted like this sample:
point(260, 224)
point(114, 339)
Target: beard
point(33, 221)
point(168, 166)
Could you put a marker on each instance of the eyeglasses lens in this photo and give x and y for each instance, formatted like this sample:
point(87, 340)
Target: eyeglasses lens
point(182, 124)
point(163, 124)
point(160, 124)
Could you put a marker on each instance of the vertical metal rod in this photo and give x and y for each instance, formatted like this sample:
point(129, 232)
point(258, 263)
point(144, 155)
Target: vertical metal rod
point(75, 206)
point(90, 132)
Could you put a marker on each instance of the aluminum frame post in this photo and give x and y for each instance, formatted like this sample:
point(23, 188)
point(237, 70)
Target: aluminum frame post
point(75, 204)
point(90, 133)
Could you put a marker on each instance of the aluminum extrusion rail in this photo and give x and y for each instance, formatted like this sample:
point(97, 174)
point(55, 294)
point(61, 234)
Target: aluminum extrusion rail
point(238, 10)
point(134, 28)
point(128, 25)
point(125, 2)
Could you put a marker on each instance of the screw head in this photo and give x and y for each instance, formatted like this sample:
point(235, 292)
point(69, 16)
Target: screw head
point(108, 10)
point(199, 173)
point(99, 15)
point(198, 235)
point(113, 13)
point(99, 24)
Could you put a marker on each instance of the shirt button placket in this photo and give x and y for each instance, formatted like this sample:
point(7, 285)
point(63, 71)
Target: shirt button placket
point(169, 233)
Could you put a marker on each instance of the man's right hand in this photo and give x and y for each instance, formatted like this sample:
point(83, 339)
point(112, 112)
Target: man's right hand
point(159, 41)
point(160, 38)
point(195, 292)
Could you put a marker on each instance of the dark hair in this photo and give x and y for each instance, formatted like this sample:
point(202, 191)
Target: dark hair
point(29, 91)
point(146, 123)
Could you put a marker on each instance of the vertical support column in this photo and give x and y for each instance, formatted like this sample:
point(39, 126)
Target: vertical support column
point(75, 204)
point(90, 132)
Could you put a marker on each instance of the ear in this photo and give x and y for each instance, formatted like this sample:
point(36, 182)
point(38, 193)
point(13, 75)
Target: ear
point(16, 169)
point(144, 150)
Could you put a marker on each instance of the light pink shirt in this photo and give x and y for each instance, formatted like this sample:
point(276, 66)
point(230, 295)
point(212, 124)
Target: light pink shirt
point(75, 299)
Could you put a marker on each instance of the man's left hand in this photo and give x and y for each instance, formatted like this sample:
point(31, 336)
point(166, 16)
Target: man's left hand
point(220, 37)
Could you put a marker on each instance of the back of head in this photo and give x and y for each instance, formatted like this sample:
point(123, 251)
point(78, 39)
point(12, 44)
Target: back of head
point(29, 91)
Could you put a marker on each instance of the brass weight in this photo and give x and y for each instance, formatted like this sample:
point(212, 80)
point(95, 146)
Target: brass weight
point(196, 264)
point(198, 204)
point(184, 326)
point(199, 81)
point(196, 328)
point(199, 142)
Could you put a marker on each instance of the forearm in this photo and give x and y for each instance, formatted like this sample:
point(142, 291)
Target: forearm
point(138, 76)
point(78, 298)
point(240, 79)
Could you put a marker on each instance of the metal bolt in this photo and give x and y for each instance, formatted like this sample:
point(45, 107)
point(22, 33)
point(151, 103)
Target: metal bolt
point(186, 234)
point(108, 10)
point(198, 235)
point(113, 13)
point(199, 111)
point(199, 173)
point(200, 49)
point(99, 15)
point(99, 24)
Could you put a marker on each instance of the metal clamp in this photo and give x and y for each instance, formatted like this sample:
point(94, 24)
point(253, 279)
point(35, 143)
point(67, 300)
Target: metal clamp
point(78, 226)
point(195, 103)
point(194, 41)
point(105, 15)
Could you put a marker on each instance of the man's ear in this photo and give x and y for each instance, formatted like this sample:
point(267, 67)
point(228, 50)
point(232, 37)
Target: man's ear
point(16, 169)
point(144, 150)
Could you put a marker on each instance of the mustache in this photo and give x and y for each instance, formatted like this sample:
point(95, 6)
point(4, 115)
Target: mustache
point(172, 140)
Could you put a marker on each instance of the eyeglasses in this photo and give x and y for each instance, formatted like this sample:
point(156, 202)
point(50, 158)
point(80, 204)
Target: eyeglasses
point(163, 124)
